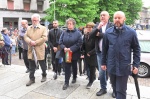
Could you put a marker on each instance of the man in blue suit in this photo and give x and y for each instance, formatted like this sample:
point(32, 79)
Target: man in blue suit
point(119, 42)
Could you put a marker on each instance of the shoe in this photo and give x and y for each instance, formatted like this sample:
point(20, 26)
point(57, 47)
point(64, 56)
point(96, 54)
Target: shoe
point(114, 94)
point(43, 79)
point(30, 82)
point(81, 74)
point(88, 86)
point(65, 86)
point(27, 71)
point(63, 73)
point(74, 80)
point(101, 92)
point(55, 76)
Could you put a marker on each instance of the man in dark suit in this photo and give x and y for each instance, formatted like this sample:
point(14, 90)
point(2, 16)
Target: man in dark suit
point(53, 40)
point(99, 31)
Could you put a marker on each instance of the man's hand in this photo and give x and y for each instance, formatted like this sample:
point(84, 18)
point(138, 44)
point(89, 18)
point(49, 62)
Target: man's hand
point(55, 49)
point(32, 43)
point(103, 67)
point(88, 55)
point(82, 56)
point(135, 70)
point(100, 25)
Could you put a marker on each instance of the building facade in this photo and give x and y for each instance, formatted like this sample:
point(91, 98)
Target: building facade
point(13, 11)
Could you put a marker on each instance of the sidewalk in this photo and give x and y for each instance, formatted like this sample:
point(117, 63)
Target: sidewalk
point(13, 81)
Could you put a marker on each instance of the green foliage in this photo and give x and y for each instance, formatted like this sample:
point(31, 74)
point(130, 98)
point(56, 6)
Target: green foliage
point(84, 11)
point(129, 7)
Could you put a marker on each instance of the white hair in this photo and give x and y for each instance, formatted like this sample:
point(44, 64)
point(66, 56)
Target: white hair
point(35, 15)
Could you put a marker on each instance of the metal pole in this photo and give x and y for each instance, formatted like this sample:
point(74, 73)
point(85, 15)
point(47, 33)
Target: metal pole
point(54, 9)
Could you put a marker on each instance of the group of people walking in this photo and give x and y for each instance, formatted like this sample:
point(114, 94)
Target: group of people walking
point(105, 46)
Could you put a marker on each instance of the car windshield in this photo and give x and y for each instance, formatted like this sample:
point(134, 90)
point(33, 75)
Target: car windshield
point(145, 45)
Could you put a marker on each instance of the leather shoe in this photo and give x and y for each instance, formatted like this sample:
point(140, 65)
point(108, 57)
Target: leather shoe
point(89, 85)
point(30, 82)
point(73, 80)
point(55, 76)
point(43, 79)
point(65, 86)
point(27, 71)
point(101, 92)
point(113, 95)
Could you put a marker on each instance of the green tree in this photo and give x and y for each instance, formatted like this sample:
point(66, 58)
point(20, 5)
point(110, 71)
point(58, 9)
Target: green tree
point(130, 7)
point(82, 11)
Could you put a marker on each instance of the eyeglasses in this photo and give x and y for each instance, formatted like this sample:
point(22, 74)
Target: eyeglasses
point(88, 27)
point(35, 20)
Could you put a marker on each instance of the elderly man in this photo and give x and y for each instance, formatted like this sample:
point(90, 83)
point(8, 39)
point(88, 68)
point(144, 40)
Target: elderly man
point(118, 44)
point(35, 36)
point(98, 32)
point(22, 31)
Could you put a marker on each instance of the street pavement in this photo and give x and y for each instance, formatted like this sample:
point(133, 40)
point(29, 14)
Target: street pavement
point(13, 81)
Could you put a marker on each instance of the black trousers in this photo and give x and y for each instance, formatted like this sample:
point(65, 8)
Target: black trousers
point(119, 84)
point(20, 52)
point(53, 59)
point(80, 65)
point(68, 70)
point(55, 63)
point(32, 68)
point(25, 58)
point(92, 75)
point(5, 58)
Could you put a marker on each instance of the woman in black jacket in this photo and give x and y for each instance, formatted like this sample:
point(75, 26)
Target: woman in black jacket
point(70, 41)
point(90, 53)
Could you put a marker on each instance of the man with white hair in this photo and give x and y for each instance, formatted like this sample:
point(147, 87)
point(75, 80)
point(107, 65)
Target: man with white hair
point(35, 36)
point(22, 31)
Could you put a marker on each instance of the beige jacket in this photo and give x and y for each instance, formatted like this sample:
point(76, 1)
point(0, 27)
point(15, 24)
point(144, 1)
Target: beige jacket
point(39, 35)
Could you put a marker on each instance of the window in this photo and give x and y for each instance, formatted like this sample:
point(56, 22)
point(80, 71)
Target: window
point(10, 4)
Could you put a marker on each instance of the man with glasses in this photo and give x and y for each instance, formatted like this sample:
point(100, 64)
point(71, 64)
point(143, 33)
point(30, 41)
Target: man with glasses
point(35, 36)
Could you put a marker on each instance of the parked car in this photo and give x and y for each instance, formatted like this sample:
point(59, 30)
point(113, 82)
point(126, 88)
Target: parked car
point(144, 40)
point(144, 68)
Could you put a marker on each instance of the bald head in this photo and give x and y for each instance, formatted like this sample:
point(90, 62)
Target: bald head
point(104, 17)
point(119, 13)
point(119, 18)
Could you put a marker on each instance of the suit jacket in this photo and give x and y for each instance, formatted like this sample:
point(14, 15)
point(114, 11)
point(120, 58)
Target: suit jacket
point(98, 38)
point(53, 37)
point(39, 35)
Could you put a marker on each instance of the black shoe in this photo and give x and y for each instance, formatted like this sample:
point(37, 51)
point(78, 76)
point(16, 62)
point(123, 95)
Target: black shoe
point(27, 71)
point(73, 80)
point(63, 73)
point(65, 86)
point(101, 92)
point(55, 76)
point(88, 86)
point(113, 95)
point(30, 82)
point(43, 79)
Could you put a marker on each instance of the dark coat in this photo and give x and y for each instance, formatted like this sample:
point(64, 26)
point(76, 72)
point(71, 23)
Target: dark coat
point(53, 38)
point(71, 39)
point(89, 48)
point(98, 38)
point(118, 45)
